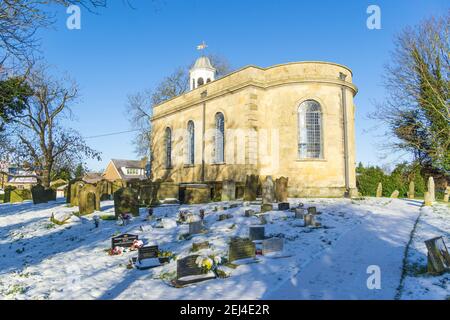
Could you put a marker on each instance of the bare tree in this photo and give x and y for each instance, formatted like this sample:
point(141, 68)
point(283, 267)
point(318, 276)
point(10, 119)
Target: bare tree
point(140, 105)
point(41, 138)
point(417, 80)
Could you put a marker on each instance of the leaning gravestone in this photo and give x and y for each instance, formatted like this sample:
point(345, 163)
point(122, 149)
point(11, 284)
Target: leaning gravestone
point(228, 190)
point(38, 194)
point(431, 189)
point(126, 201)
point(88, 199)
point(272, 245)
point(281, 189)
point(379, 190)
point(395, 194)
point(251, 187)
point(188, 272)
point(256, 233)
point(124, 240)
point(411, 190)
point(240, 249)
point(438, 256)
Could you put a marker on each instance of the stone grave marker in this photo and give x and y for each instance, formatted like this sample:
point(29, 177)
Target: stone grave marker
point(299, 213)
point(225, 216)
point(395, 194)
point(427, 199)
point(281, 189)
point(123, 240)
point(411, 190)
point(379, 190)
point(268, 191)
point(283, 206)
point(431, 189)
point(147, 258)
point(446, 194)
point(196, 246)
point(251, 187)
point(272, 245)
point(228, 190)
point(266, 207)
point(438, 256)
point(126, 201)
point(241, 248)
point(188, 272)
point(195, 227)
point(312, 210)
point(38, 194)
point(249, 213)
point(309, 220)
point(88, 199)
point(256, 233)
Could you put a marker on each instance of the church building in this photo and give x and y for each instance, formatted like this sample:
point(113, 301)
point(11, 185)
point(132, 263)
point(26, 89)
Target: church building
point(293, 120)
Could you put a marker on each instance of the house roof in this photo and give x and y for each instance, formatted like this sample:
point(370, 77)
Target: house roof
point(132, 164)
point(92, 177)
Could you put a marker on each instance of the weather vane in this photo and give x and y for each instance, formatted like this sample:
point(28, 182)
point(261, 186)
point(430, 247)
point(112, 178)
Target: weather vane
point(202, 46)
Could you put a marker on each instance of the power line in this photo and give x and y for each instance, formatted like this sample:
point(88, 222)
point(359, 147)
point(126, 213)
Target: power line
point(111, 134)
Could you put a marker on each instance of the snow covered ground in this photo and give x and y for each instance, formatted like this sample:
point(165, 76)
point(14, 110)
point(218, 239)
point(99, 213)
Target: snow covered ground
point(41, 260)
point(434, 222)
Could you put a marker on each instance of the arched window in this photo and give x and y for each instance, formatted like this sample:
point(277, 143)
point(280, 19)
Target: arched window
point(208, 80)
point(168, 146)
point(310, 130)
point(200, 82)
point(190, 143)
point(219, 143)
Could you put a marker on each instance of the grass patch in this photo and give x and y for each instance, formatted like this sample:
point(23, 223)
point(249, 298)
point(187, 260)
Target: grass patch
point(107, 217)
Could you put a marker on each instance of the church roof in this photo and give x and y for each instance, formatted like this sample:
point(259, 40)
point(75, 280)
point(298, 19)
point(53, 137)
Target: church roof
point(203, 63)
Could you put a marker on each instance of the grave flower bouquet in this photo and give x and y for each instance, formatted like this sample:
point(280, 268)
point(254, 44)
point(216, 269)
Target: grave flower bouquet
point(136, 245)
point(117, 251)
point(208, 263)
point(166, 256)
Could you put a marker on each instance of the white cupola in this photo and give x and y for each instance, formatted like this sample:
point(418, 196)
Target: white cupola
point(201, 73)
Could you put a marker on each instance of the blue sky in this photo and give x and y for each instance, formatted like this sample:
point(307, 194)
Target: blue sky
point(122, 50)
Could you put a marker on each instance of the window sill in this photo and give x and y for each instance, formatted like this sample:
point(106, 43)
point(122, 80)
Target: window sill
point(312, 160)
point(168, 168)
point(189, 166)
point(218, 164)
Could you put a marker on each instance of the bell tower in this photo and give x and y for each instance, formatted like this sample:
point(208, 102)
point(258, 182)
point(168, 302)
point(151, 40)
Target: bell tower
point(202, 72)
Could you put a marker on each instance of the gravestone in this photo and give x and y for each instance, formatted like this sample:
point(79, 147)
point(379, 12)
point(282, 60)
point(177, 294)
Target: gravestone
point(266, 207)
point(148, 252)
point(89, 200)
point(312, 210)
point(123, 240)
point(197, 193)
point(225, 216)
point(283, 206)
point(126, 201)
point(427, 199)
point(299, 213)
point(395, 194)
point(251, 187)
point(196, 246)
point(411, 191)
point(195, 227)
point(14, 195)
point(446, 194)
point(281, 189)
point(147, 258)
point(249, 213)
point(268, 191)
point(309, 220)
point(438, 256)
point(241, 249)
point(228, 190)
point(272, 245)
point(168, 190)
point(189, 272)
point(74, 192)
point(256, 233)
point(431, 189)
point(38, 194)
point(379, 190)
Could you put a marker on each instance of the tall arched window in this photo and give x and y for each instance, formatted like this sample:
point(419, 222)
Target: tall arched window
point(168, 147)
point(310, 130)
point(190, 142)
point(219, 143)
point(200, 82)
